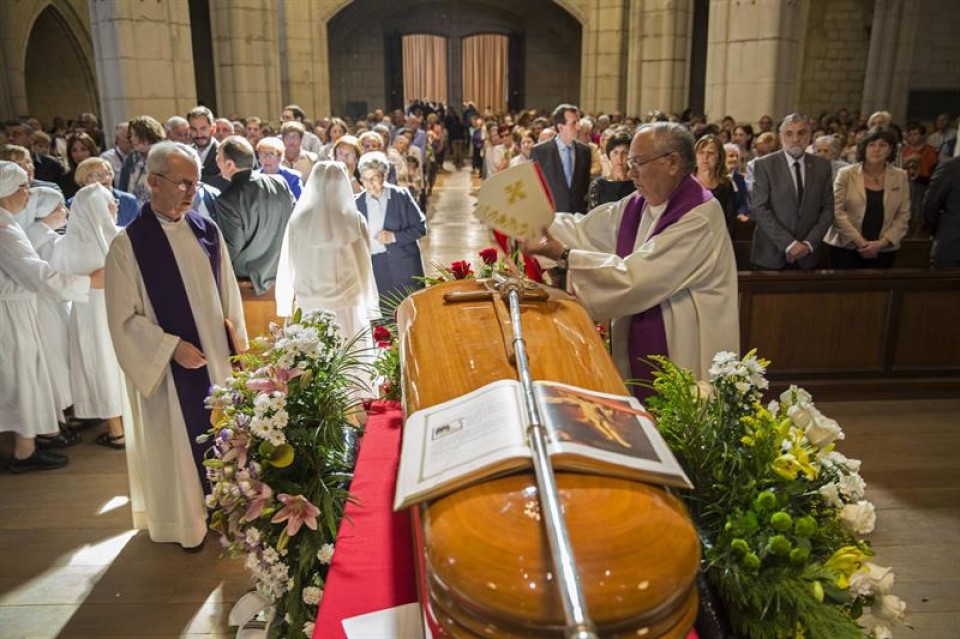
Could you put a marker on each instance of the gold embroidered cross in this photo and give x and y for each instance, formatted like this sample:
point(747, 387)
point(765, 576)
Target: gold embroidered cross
point(515, 192)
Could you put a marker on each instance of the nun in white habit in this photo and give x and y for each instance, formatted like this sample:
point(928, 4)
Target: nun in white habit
point(45, 213)
point(325, 258)
point(27, 403)
point(96, 381)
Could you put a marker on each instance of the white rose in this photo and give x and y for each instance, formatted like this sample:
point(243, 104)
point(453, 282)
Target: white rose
point(308, 629)
point(821, 431)
point(702, 390)
point(795, 395)
point(801, 414)
point(859, 518)
point(852, 486)
point(871, 580)
point(889, 608)
point(774, 407)
point(831, 494)
point(312, 595)
point(881, 632)
point(742, 387)
point(325, 554)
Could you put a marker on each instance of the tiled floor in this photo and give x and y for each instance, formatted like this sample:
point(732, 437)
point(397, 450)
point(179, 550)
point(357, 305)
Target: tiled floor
point(71, 567)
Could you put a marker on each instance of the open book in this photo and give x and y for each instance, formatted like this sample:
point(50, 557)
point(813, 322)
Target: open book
point(483, 434)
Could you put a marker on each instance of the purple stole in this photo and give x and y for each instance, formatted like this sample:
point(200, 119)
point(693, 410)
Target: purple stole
point(168, 296)
point(647, 335)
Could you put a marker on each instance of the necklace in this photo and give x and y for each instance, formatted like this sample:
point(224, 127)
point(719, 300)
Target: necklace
point(874, 177)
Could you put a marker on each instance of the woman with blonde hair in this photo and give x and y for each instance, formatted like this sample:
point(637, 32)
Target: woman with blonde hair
point(98, 170)
point(712, 174)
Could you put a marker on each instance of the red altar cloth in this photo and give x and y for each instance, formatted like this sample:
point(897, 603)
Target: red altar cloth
point(373, 563)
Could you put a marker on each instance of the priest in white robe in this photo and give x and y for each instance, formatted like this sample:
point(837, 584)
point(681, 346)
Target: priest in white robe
point(27, 400)
point(658, 263)
point(172, 304)
point(96, 381)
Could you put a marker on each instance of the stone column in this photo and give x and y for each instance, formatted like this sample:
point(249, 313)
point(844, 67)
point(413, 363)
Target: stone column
point(144, 59)
point(890, 58)
point(306, 77)
point(658, 55)
point(753, 54)
point(246, 53)
point(603, 58)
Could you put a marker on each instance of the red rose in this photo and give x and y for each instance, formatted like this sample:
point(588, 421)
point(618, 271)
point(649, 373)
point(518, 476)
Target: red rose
point(489, 255)
point(461, 269)
point(382, 336)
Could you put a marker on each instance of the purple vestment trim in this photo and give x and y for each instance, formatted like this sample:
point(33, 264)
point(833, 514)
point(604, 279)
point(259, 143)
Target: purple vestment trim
point(168, 296)
point(647, 335)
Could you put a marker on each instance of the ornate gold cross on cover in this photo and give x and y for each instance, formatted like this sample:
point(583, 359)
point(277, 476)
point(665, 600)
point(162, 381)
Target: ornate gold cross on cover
point(515, 192)
point(496, 289)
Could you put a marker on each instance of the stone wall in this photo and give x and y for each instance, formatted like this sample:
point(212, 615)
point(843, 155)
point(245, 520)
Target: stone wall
point(936, 59)
point(835, 55)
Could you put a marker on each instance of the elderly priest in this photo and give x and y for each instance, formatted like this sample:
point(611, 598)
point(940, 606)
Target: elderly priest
point(659, 262)
point(172, 303)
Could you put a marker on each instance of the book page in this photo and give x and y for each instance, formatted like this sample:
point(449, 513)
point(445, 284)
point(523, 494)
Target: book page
point(614, 430)
point(458, 438)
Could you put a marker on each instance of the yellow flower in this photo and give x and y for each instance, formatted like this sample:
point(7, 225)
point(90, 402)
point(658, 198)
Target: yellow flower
point(216, 416)
point(843, 563)
point(786, 466)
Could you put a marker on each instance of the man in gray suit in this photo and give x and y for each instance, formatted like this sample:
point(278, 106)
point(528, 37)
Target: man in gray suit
point(792, 200)
point(941, 215)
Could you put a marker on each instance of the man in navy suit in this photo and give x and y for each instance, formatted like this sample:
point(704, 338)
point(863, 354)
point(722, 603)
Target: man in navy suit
point(565, 162)
point(201, 132)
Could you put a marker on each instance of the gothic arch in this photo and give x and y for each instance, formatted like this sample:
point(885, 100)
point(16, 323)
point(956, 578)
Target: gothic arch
point(58, 66)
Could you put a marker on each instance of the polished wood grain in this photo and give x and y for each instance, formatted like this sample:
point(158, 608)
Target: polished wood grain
point(488, 566)
point(258, 310)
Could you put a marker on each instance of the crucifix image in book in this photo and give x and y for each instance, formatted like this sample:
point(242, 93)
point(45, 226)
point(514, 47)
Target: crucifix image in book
point(484, 433)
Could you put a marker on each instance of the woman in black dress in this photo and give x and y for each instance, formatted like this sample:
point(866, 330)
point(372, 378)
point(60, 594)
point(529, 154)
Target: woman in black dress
point(712, 174)
point(618, 184)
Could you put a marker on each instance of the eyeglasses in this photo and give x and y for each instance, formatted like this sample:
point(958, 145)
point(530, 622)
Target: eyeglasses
point(636, 162)
point(184, 185)
point(268, 154)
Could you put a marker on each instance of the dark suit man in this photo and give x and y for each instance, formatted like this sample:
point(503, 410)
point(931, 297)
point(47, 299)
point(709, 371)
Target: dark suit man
point(252, 213)
point(565, 162)
point(792, 201)
point(941, 214)
point(201, 132)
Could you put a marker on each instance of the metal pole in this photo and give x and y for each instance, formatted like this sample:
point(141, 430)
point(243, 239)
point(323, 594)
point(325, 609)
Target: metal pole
point(579, 625)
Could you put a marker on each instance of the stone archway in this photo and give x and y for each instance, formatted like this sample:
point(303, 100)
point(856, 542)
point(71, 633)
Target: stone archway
point(363, 37)
point(58, 75)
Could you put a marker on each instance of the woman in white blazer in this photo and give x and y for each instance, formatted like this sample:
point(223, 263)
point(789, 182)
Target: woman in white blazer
point(871, 206)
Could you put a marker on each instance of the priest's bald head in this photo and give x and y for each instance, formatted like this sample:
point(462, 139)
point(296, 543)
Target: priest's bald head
point(173, 170)
point(661, 155)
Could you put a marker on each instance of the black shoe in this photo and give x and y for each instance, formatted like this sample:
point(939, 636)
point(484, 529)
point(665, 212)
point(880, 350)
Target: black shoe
point(66, 438)
point(39, 460)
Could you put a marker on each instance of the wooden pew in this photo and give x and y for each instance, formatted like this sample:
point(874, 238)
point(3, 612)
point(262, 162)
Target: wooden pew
point(868, 334)
point(258, 310)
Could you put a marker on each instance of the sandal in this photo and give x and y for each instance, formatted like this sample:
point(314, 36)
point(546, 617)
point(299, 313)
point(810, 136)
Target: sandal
point(110, 441)
point(64, 439)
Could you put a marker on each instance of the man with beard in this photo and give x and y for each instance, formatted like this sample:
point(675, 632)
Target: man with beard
point(792, 201)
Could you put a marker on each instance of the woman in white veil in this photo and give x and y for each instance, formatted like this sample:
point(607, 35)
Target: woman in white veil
point(96, 378)
point(325, 259)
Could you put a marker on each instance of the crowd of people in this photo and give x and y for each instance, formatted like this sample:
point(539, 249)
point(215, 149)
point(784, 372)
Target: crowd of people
point(121, 268)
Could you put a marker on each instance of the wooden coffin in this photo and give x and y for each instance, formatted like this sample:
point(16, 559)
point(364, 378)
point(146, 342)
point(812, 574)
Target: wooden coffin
point(488, 571)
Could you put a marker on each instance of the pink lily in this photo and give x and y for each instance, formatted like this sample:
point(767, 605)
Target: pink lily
point(296, 511)
point(271, 379)
point(260, 499)
point(238, 449)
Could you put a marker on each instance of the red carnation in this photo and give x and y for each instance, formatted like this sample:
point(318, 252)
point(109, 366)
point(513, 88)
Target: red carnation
point(461, 269)
point(489, 255)
point(382, 336)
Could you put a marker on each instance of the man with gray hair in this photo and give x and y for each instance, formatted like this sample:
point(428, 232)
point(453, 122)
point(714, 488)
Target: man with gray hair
point(658, 263)
point(178, 129)
point(175, 318)
point(792, 201)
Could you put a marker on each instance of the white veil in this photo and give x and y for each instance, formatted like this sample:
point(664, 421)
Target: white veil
point(89, 233)
point(43, 201)
point(325, 259)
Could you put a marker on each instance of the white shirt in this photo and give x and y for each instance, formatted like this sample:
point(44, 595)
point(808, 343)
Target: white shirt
point(376, 214)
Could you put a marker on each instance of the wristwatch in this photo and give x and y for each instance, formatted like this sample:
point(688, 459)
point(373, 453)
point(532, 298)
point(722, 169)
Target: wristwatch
point(562, 260)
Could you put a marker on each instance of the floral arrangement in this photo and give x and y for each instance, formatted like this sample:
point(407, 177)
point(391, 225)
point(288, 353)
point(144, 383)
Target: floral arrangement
point(281, 460)
point(780, 510)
